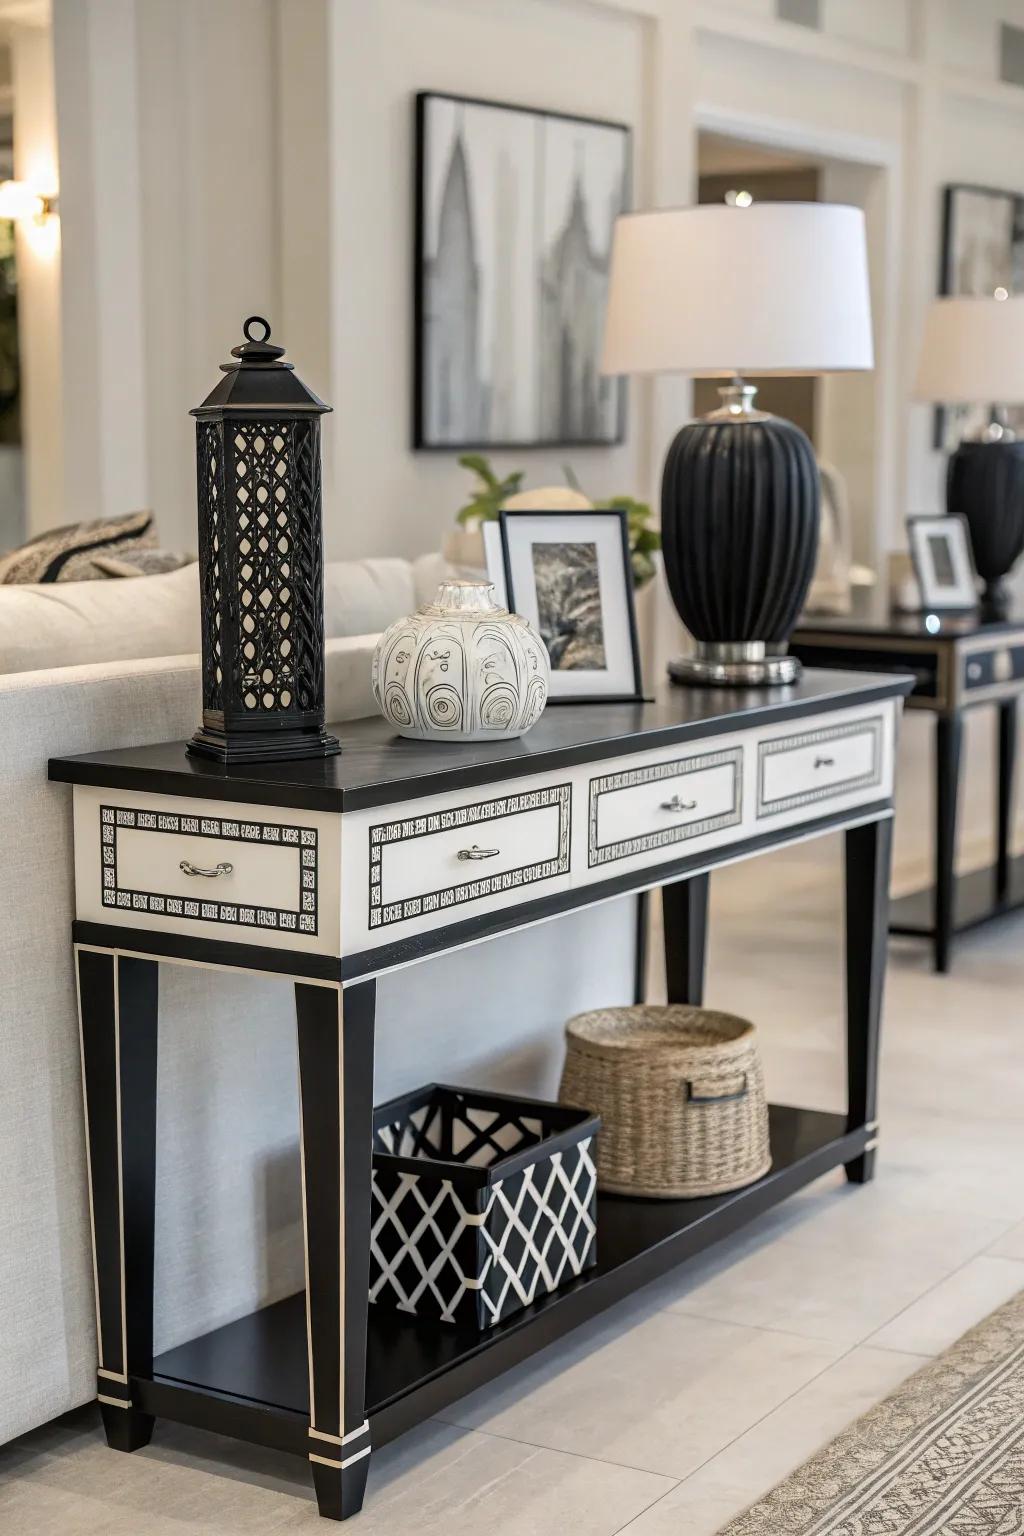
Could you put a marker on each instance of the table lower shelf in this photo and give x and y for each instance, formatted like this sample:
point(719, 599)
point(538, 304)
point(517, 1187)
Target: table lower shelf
point(249, 1379)
point(975, 901)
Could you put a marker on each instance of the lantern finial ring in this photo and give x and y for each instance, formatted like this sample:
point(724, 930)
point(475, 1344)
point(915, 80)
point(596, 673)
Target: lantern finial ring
point(256, 320)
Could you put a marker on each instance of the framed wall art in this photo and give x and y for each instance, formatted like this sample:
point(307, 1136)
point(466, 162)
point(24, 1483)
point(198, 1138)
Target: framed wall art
point(514, 216)
point(941, 551)
point(569, 575)
point(982, 252)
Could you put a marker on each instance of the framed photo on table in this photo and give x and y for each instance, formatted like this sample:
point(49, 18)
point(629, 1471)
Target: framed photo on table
point(569, 575)
point(941, 551)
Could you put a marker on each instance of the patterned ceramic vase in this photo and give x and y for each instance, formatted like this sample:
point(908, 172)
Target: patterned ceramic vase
point(461, 668)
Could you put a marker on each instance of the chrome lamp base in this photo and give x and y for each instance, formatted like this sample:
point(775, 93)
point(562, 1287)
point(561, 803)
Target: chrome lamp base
point(741, 664)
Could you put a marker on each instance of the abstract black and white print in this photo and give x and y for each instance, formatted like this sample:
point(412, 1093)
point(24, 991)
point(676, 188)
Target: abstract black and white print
point(569, 606)
point(516, 211)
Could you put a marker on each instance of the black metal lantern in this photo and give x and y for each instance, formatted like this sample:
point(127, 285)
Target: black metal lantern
point(261, 561)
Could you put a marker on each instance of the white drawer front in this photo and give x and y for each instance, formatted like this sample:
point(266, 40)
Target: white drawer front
point(435, 862)
point(130, 849)
point(825, 763)
point(647, 806)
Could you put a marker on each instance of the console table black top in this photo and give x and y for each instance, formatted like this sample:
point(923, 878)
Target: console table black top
point(377, 767)
point(873, 614)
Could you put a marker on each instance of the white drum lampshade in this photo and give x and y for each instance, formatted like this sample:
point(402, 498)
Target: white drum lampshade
point(973, 353)
point(774, 288)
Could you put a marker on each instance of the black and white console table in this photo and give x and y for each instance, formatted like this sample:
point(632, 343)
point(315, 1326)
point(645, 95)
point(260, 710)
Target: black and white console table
point(332, 872)
point(959, 662)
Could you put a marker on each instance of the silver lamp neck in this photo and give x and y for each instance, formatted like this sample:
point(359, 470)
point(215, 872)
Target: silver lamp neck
point(737, 399)
point(997, 429)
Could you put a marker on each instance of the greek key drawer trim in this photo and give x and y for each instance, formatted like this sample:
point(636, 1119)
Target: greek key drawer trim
point(198, 909)
point(766, 749)
point(648, 842)
point(385, 833)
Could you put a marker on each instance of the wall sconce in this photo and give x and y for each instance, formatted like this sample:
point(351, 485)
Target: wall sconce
point(20, 200)
point(35, 212)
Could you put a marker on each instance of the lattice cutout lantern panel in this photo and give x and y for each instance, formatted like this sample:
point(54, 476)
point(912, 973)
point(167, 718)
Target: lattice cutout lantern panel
point(261, 561)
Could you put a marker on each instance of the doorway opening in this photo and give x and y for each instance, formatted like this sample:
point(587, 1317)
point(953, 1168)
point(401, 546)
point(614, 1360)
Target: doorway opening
point(840, 413)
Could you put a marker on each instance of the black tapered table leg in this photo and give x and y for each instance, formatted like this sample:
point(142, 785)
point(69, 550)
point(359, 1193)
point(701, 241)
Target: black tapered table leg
point(868, 864)
point(643, 924)
point(1005, 788)
point(118, 1011)
point(685, 913)
point(335, 1036)
point(948, 741)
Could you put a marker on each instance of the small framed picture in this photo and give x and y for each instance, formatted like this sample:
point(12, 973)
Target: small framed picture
point(941, 551)
point(569, 575)
point(495, 560)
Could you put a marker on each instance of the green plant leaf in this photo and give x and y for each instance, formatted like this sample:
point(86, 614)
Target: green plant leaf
point(646, 540)
point(643, 569)
point(479, 466)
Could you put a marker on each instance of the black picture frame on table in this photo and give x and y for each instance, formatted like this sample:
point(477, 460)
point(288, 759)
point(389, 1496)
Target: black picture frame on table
point(420, 438)
point(952, 526)
point(947, 287)
point(506, 521)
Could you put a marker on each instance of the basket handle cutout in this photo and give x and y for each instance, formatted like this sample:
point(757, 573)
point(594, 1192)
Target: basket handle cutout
point(713, 1098)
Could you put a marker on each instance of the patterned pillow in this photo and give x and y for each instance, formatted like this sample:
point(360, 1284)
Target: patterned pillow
point(67, 554)
point(143, 562)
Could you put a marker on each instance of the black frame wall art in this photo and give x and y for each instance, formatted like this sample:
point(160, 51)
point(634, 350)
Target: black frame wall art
point(569, 575)
point(513, 225)
point(982, 250)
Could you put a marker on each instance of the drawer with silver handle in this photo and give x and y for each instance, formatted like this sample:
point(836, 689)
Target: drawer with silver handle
point(817, 765)
point(243, 871)
point(646, 806)
point(444, 861)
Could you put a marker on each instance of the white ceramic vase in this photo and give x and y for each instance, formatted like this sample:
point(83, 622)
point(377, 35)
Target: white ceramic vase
point(461, 668)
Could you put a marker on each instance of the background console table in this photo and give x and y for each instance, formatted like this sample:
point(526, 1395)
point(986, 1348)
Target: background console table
point(333, 871)
point(958, 661)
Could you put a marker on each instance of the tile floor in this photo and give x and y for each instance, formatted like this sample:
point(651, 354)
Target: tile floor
point(669, 1415)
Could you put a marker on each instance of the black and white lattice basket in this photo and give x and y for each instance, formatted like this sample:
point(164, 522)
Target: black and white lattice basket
point(481, 1202)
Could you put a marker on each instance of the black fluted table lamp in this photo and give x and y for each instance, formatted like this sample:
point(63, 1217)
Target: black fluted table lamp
point(973, 354)
point(775, 288)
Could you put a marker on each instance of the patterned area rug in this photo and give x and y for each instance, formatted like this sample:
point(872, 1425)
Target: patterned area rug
point(942, 1456)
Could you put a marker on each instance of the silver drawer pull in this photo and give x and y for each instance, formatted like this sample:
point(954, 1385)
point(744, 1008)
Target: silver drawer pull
point(675, 804)
point(188, 868)
point(478, 853)
point(824, 762)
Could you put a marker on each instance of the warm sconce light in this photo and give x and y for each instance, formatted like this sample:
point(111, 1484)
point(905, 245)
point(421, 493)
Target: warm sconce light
point(20, 200)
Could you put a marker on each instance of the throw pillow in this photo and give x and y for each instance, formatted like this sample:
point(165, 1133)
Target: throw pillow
point(142, 562)
point(66, 554)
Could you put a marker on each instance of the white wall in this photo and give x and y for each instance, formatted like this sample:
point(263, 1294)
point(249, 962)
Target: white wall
point(170, 231)
point(224, 156)
point(387, 498)
point(39, 273)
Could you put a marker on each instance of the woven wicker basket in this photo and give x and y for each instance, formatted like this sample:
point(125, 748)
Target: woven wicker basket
point(680, 1092)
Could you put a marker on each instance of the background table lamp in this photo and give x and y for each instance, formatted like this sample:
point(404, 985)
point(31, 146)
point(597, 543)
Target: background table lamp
point(973, 353)
point(716, 290)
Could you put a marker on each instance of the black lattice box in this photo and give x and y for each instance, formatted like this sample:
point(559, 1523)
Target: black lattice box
point(481, 1202)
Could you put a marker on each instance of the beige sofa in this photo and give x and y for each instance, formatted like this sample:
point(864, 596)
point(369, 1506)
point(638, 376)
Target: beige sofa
point(228, 1228)
point(124, 620)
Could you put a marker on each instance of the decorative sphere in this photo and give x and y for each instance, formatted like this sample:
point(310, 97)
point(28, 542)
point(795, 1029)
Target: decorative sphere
point(461, 668)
